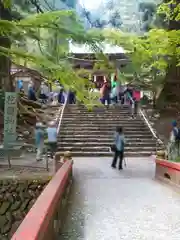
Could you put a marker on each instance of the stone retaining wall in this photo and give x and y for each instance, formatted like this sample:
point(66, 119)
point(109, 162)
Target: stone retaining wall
point(16, 198)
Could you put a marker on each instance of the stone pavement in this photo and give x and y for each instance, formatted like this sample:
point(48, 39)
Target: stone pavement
point(26, 166)
point(111, 204)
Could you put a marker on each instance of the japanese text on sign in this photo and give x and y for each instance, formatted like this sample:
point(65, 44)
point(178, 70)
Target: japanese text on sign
point(10, 117)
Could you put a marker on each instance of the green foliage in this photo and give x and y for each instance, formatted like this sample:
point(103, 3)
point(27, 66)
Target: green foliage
point(148, 57)
point(41, 41)
point(171, 9)
point(6, 3)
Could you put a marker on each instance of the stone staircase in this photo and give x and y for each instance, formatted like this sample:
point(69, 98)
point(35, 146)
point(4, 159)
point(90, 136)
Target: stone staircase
point(86, 133)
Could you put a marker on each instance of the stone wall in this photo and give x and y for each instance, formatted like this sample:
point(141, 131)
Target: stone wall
point(16, 198)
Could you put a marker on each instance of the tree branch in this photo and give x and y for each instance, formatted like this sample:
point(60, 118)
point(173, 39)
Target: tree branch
point(36, 4)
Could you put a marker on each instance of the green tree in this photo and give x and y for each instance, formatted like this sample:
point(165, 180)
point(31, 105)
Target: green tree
point(148, 56)
point(170, 93)
point(41, 35)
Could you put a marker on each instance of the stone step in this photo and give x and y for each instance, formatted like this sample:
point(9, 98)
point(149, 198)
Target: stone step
point(97, 115)
point(89, 126)
point(126, 114)
point(110, 127)
point(102, 128)
point(99, 118)
point(97, 107)
point(104, 132)
point(116, 111)
point(110, 109)
point(104, 144)
point(102, 137)
point(103, 122)
point(104, 149)
point(102, 119)
point(109, 154)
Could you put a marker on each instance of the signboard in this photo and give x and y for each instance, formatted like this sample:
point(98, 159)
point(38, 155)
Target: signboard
point(10, 117)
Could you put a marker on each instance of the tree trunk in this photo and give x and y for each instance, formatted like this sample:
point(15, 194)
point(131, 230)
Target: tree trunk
point(170, 96)
point(5, 63)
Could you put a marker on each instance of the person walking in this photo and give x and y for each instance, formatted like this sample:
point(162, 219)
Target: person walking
point(133, 107)
point(31, 92)
point(72, 97)
point(52, 138)
point(39, 140)
point(113, 95)
point(106, 90)
point(43, 93)
point(61, 98)
point(119, 142)
point(173, 147)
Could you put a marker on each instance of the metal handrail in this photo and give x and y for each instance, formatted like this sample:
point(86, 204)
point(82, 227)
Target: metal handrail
point(148, 124)
point(61, 113)
point(150, 127)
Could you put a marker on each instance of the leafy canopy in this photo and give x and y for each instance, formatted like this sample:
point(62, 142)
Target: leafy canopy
point(41, 41)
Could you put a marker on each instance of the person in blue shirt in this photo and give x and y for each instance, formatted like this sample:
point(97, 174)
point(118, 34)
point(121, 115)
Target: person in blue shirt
point(52, 138)
point(31, 92)
point(114, 97)
point(39, 140)
point(61, 98)
point(119, 142)
point(20, 84)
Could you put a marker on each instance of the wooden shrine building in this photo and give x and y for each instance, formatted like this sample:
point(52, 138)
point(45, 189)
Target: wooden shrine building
point(82, 57)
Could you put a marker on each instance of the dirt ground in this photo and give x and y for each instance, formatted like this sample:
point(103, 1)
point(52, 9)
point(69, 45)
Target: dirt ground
point(161, 121)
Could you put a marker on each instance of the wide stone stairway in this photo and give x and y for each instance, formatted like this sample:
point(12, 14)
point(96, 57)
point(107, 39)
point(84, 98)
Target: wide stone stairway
point(90, 133)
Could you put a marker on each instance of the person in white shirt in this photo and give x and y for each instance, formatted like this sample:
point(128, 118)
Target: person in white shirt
point(43, 92)
point(52, 138)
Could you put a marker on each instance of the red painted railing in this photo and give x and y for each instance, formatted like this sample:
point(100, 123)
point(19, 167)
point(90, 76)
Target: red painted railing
point(168, 164)
point(43, 221)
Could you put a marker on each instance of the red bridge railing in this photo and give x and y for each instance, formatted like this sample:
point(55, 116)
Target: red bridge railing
point(43, 221)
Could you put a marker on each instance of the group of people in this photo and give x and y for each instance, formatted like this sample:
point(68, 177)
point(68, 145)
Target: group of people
point(45, 139)
point(45, 96)
point(114, 94)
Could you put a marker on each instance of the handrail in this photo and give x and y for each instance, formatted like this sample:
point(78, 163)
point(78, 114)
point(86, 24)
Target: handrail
point(35, 225)
point(150, 127)
point(62, 112)
point(148, 124)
